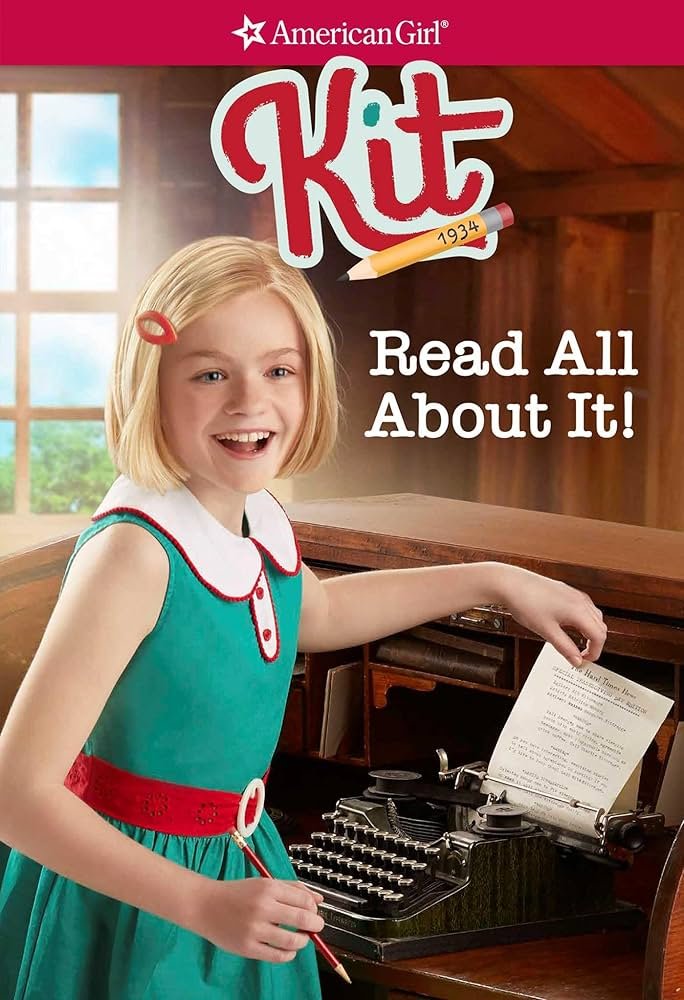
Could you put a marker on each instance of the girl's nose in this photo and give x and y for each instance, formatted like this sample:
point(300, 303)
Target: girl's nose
point(245, 395)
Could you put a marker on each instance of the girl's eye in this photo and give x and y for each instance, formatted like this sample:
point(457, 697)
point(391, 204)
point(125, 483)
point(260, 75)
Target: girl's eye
point(210, 377)
point(279, 371)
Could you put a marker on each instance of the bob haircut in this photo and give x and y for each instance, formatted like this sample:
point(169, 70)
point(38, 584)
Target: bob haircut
point(183, 288)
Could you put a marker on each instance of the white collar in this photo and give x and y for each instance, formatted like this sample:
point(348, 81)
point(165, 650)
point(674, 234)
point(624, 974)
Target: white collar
point(225, 563)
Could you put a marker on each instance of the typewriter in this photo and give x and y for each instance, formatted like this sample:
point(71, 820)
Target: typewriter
point(410, 868)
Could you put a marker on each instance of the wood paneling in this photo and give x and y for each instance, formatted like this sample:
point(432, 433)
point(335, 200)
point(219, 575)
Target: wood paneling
point(665, 469)
point(591, 475)
point(511, 290)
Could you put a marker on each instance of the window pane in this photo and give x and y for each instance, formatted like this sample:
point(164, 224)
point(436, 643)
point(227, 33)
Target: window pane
point(6, 466)
point(70, 467)
point(8, 246)
point(7, 359)
point(74, 246)
point(71, 354)
point(75, 140)
point(8, 140)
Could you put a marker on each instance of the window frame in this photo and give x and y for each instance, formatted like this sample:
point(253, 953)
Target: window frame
point(137, 92)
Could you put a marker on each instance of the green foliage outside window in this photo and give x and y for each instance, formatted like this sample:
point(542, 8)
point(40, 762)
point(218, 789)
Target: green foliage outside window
point(70, 467)
point(7, 484)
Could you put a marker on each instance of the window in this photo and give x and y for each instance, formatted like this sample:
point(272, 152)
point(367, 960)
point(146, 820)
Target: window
point(63, 194)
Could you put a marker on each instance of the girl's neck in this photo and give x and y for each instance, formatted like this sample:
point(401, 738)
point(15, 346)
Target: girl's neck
point(226, 506)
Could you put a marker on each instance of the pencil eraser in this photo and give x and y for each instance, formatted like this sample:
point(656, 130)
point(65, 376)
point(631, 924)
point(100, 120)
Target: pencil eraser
point(506, 213)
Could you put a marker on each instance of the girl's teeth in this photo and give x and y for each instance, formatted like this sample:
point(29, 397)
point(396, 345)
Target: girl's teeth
point(253, 436)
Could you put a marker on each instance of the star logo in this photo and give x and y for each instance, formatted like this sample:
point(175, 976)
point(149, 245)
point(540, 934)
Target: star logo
point(249, 32)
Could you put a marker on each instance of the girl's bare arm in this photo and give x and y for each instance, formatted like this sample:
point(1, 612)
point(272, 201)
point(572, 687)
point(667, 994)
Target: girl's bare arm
point(109, 603)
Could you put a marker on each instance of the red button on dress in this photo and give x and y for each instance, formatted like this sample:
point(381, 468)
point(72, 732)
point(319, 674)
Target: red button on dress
point(267, 634)
point(260, 592)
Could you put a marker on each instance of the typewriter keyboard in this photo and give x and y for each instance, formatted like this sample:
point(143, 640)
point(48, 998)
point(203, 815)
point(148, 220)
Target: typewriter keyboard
point(368, 871)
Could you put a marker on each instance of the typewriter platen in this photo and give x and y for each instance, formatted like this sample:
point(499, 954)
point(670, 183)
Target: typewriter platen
point(409, 868)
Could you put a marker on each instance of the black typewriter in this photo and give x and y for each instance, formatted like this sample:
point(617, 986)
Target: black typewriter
point(409, 868)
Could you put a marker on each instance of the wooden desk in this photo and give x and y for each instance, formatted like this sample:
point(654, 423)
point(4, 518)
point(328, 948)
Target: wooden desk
point(562, 969)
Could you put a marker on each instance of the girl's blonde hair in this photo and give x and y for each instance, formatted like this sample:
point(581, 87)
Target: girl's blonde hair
point(187, 285)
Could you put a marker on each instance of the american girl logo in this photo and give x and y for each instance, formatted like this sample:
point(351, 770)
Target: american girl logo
point(381, 172)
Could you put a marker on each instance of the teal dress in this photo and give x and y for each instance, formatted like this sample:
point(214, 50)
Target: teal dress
point(201, 703)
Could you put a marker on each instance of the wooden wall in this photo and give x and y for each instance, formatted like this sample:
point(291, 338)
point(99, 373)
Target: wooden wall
point(598, 244)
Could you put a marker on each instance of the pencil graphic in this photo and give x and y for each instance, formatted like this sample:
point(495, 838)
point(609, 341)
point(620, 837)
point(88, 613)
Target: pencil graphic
point(318, 941)
point(451, 234)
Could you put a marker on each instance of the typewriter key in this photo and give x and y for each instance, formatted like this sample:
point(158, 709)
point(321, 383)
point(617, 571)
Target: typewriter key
point(362, 833)
point(338, 825)
point(404, 884)
point(354, 886)
point(364, 888)
point(393, 879)
point(299, 850)
point(401, 845)
point(314, 854)
point(336, 841)
point(304, 869)
point(393, 898)
point(375, 874)
point(383, 858)
point(343, 881)
point(374, 892)
point(329, 819)
point(432, 854)
point(350, 828)
point(319, 838)
point(384, 879)
point(391, 840)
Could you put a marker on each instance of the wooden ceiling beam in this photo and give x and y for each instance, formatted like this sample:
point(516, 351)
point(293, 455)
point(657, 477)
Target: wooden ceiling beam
point(538, 139)
point(620, 191)
point(597, 106)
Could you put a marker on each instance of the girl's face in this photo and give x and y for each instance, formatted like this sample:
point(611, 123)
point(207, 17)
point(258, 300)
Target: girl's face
point(233, 395)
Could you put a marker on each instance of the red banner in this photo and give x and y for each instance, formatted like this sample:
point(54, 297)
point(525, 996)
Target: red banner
point(258, 33)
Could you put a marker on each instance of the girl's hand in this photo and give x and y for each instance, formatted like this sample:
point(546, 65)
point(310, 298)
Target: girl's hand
point(244, 917)
point(546, 606)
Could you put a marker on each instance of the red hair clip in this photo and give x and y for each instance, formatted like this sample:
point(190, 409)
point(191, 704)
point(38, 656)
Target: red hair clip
point(168, 334)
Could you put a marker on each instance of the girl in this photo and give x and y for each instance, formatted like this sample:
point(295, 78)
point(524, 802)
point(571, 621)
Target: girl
point(155, 700)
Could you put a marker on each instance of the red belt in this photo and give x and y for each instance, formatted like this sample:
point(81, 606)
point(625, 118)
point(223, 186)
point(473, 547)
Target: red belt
point(157, 805)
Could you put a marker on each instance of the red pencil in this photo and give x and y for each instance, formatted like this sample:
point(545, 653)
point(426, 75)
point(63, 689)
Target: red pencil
point(330, 958)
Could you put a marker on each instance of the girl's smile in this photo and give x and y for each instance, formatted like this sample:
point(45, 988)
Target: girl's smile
point(245, 444)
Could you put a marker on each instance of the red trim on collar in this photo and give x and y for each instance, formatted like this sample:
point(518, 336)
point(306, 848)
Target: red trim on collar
point(174, 541)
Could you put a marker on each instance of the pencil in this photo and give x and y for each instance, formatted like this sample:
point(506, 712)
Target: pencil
point(456, 233)
point(318, 941)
